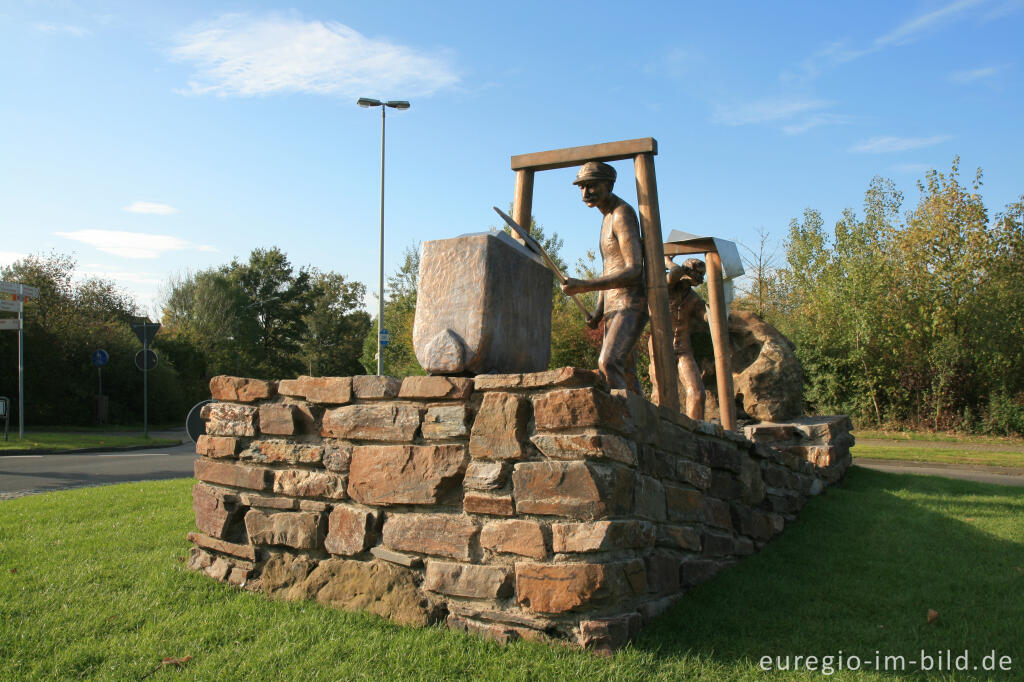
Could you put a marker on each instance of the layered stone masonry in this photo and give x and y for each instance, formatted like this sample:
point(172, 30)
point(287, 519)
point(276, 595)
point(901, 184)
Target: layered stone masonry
point(539, 506)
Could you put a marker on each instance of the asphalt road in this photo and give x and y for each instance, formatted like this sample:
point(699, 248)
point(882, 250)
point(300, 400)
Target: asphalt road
point(27, 474)
point(982, 474)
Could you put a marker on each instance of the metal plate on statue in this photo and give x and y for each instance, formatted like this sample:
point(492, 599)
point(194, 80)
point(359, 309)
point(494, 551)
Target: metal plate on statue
point(483, 306)
point(146, 359)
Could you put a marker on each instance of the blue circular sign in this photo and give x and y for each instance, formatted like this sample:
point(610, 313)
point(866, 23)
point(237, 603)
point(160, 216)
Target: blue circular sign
point(100, 357)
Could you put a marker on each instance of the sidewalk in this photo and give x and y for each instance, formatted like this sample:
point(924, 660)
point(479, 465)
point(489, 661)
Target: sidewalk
point(1009, 476)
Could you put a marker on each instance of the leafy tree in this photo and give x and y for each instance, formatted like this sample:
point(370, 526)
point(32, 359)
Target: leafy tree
point(399, 357)
point(336, 326)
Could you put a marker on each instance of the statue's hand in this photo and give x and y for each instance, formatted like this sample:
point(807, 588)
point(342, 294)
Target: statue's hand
point(594, 320)
point(573, 286)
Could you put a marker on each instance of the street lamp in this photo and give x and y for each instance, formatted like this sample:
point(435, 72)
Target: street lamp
point(394, 104)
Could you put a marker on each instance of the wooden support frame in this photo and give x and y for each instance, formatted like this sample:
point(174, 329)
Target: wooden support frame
point(718, 323)
point(642, 151)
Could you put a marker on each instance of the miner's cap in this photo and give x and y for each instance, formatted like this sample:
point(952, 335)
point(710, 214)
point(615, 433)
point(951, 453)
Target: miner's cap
point(594, 171)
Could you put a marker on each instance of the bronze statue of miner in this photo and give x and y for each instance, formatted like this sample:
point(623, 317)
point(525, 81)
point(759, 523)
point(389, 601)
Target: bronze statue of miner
point(623, 299)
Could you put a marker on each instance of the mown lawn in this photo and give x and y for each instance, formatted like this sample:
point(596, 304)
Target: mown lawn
point(941, 455)
point(92, 585)
point(57, 441)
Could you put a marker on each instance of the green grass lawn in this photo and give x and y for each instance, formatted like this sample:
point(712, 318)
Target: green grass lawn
point(92, 585)
point(55, 442)
point(945, 455)
point(939, 437)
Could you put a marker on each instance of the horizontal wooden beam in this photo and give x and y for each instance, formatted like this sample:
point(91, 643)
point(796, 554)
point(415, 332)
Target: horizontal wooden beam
point(693, 246)
point(577, 156)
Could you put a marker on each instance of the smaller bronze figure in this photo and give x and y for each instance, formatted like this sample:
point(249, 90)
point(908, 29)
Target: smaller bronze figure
point(623, 299)
point(685, 309)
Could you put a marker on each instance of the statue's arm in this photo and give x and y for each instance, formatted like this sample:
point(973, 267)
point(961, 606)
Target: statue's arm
point(627, 233)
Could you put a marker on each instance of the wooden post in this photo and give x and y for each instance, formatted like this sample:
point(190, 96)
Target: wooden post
point(720, 337)
point(522, 204)
point(664, 360)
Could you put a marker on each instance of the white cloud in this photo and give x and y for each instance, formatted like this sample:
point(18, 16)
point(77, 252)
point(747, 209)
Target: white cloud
point(9, 257)
point(766, 110)
point(906, 32)
point(970, 75)
point(887, 144)
point(246, 55)
point(132, 244)
point(63, 29)
point(150, 207)
point(814, 121)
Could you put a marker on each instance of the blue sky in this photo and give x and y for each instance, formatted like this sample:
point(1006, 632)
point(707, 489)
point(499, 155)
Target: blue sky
point(151, 138)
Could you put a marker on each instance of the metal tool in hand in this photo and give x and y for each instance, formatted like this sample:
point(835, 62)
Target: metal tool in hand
point(533, 245)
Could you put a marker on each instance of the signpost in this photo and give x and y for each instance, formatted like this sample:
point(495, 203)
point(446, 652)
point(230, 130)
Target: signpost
point(100, 357)
point(385, 338)
point(20, 292)
point(145, 330)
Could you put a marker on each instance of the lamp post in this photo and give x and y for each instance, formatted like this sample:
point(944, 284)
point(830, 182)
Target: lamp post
point(394, 104)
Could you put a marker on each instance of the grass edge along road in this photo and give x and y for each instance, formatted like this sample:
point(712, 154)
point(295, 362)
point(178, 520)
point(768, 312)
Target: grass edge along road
point(92, 584)
point(49, 441)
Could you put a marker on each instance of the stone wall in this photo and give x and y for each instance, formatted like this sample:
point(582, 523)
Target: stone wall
point(518, 505)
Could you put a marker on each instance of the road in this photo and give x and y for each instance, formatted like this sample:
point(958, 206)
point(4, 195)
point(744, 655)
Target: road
point(27, 474)
point(983, 474)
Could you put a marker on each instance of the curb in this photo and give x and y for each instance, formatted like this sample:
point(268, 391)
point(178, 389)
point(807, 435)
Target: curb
point(124, 448)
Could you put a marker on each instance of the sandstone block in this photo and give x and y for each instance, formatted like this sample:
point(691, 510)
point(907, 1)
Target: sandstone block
point(241, 390)
point(485, 475)
point(719, 455)
point(586, 445)
point(407, 560)
point(656, 463)
point(563, 377)
point(216, 509)
point(502, 634)
point(306, 483)
point(650, 498)
point(483, 305)
point(325, 390)
point(446, 421)
point(447, 535)
point(515, 536)
point(283, 452)
point(717, 514)
point(601, 536)
point(337, 455)
point(382, 422)
point(277, 420)
point(493, 505)
point(268, 501)
point(499, 430)
point(662, 571)
point(577, 489)
point(464, 580)
point(232, 548)
point(216, 446)
point(559, 588)
point(291, 388)
point(405, 474)
point(718, 544)
point(697, 571)
point(300, 530)
point(370, 387)
point(238, 476)
point(226, 419)
point(349, 530)
point(606, 635)
point(697, 475)
point(681, 537)
point(580, 407)
point(725, 485)
point(684, 504)
point(436, 388)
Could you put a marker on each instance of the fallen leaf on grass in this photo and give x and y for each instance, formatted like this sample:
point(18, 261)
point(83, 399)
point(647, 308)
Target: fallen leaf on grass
point(1020, 569)
point(177, 662)
point(933, 616)
point(14, 570)
point(969, 519)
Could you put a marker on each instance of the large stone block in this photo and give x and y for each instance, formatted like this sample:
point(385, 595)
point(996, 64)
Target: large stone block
point(473, 582)
point(232, 474)
point(446, 421)
point(483, 306)
point(514, 536)
point(447, 535)
point(581, 407)
point(586, 445)
point(405, 474)
point(577, 489)
point(216, 509)
point(240, 389)
point(216, 446)
point(300, 530)
point(557, 588)
point(499, 431)
point(349, 530)
point(384, 422)
point(307, 483)
point(601, 536)
point(226, 419)
point(278, 420)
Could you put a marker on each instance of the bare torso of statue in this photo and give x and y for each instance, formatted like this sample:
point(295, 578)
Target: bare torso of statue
point(686, 309)
point(623, 301)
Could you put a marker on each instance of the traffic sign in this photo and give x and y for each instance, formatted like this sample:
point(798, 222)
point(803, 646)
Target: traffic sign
point(100, 358)
point(146, 359)
point(12, 323)
point(195, 425)
point(21, 289)
point(11, 306)
point(385, 338)
point(145, 331)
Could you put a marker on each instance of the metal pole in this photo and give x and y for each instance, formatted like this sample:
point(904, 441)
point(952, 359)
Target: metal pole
point(380, 288)
point(145, 384)
point(21, 363)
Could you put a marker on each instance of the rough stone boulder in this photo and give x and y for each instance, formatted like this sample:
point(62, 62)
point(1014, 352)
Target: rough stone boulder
point(767, 376)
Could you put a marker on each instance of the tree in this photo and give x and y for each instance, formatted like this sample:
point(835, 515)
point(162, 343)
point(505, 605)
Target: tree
point(336, 326)
point(399, 357)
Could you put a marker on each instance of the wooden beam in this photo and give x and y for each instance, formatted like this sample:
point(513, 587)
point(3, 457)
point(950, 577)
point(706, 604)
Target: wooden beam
point(522, 203)
point(577, 156)
point(665, 372)
point(694, 246)
point(720, 338)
